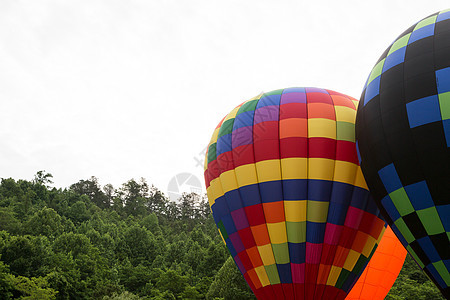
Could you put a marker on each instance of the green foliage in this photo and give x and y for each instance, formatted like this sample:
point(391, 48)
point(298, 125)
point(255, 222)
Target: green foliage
point(43, 178)
point(33, 289)
point(9, 221)
point(78, 213)
point(93, 191)
point(6, 282)
point(46, 222)
point(23, 287)
point(89, 242)
point(172, 281)
point(122, 296)
point(26, 255)
point(151, 223)
point(413, 284)
point(229, 284)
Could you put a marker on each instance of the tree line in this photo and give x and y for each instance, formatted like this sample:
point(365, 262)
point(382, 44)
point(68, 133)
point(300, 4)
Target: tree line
point(92, 242)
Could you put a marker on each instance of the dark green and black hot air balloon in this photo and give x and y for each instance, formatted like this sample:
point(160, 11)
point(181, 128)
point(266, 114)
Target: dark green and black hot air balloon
point(403, 136)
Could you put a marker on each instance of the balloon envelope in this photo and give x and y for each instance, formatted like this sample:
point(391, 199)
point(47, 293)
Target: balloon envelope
point(403, 136)
point(382, 270)
point(287, 194)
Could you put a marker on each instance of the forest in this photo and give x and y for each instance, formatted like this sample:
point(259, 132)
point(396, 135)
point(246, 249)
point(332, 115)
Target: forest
point(89, 241)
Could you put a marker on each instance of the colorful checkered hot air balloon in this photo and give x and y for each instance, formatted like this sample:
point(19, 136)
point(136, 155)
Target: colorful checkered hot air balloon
point(288, 196)
point(403, 136)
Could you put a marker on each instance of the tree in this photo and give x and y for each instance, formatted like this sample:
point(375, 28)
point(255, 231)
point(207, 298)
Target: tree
point(172, 281)
point(151, 222)
point(139, 245)
point(204, 209)
point(229, 284)
point(8, 220)
point(215, 257)
point(45, 222)
point(122, 296)
point(78, 212)
point(134, 196)
point(79, 266)
point(134, 278)
point(33, 289)
point(172, 211)
point(188, 206)
point(156, 202)
point(66, 279)
point(43, 178)
point(93, 190)
point(26, 255)
point(191, 292)
point(74, 243)
point(109, 192)
point(6, 281)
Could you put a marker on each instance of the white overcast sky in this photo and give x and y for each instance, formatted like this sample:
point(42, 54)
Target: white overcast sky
point(129, 89)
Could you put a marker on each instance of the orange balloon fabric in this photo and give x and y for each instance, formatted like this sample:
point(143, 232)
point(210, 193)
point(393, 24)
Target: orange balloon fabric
point(382, 270)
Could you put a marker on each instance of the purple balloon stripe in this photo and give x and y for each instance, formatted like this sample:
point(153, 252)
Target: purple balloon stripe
point(266, 113)
point(236, 242)
point(315, 90)
point(293, 98)
point(239, 264)
point(242, 136)
point(239, 218)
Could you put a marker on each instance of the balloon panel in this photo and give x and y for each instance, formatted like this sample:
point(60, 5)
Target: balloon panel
point(403, 136)
point(382, 270)
point(288, 196)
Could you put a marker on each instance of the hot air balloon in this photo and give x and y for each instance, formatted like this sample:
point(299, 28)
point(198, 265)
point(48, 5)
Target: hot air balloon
point(288, 196)
point(382, 270)
point(403, 137)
